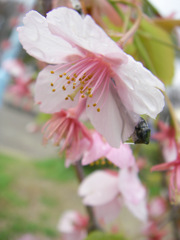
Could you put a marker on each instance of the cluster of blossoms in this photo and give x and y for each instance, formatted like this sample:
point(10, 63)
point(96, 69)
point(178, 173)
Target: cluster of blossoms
point(171, 154)
point(90, 76)
point(88, 64)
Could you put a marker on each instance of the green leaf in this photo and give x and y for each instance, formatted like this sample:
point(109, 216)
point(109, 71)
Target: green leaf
point(104, 236)
point(155, 49)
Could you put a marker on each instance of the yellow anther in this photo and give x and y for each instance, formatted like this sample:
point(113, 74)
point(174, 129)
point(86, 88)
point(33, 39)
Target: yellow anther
point(81, 91)
point(53, 90)
point(98, 109)
point(74, 87)
point(72, 79)
point(88, 105)
point(75, 75)
point(63, 88)
point(52, 72)
point(64, 74)
point(67, 77)
point(90, 76)
point(83, 77)
point(90, 95)
point(68, 82)
point(60, 75)
point(81, 87)
point(66, 98)
point(80, 79)
point(52, 84)
point(86, 79)
point(74, 83)
point(94, 104)
point(89, 89)
point(82, 96)
point(82, 82)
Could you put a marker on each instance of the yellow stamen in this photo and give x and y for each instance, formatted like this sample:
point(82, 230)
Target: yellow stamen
point(68, 82)
point(98, 109)
point(88, 105)
point(52, 72)
point(63, 88)
point(74, 87)
point(64, 74)
point(66, 98)
point(94, 104)
point(60, 75)
point(82, 96)
point(90, 95)
point(53, 90)
point(67, 77)
point(52, 84)
point(72, 95)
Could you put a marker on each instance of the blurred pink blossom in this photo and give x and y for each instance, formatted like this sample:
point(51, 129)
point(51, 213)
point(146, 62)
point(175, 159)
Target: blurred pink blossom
point(173, 169)
point(121, 157)
point(157, 207)
point(22, 78)
point(66, 131)
point(73, 226)
point(107, 191)
point(90, 65)
point(166, 136)
point(153, 232)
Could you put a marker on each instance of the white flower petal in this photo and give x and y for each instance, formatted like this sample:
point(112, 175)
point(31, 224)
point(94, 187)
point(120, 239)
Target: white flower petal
point(113, 121)
point(138, 88)
point(98, 188)
point(83, 32)
point(40, 43)
point(51, 102)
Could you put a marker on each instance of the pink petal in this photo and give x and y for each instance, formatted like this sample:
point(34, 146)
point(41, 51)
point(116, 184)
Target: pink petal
point(98, 149)
point(139, 209)
point(130, 186)
point(50, 101)
point(133, 192)
point(108, 212)
point(121, 157)
point(113, 121)
point(139, 88)
point(98, 188)
point(163, 166)
point(82, 32)
point(40, 43)
point(75, 152)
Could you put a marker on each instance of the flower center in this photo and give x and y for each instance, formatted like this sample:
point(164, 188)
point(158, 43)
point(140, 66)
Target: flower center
point(84, 77)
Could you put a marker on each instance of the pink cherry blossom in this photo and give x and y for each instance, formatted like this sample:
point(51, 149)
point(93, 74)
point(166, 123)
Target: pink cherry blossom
point(91, 65)
point(66, 131)
point(173, 169)
point(73, 226)
point(121, 157)
point(157, 207)
point(104, 191)
point(166, 136)
point(22, 77)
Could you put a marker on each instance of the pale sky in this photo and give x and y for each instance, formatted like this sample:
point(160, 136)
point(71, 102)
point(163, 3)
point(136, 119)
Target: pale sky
point(167, 7)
